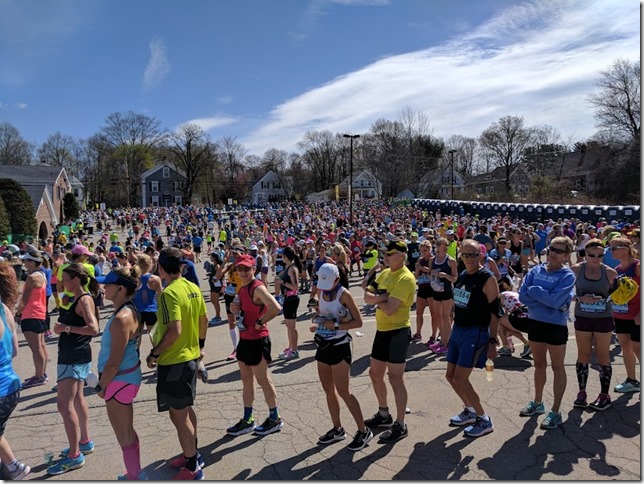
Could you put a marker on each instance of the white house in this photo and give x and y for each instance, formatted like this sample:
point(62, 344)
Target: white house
point(365, 185)
point(267, 188)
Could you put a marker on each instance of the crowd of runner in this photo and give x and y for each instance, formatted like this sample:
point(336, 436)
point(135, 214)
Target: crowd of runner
point(485, 283)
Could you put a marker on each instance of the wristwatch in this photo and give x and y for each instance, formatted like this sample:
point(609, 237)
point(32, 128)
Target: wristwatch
point(68, 329)
point(98, 388)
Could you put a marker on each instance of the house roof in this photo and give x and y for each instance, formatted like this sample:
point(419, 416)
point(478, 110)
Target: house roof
point(75, 181)
point(253, 183)
point(157, 167)
point(36, 193)
point(32, 174)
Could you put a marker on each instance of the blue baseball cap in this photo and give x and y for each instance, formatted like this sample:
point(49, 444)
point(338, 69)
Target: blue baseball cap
point(114, 278)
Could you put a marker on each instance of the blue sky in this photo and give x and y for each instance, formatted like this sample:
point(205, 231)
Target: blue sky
point(266, 71)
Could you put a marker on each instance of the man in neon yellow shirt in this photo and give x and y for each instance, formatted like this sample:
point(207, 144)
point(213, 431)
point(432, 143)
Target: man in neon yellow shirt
point(178, 343)
point(393, 294)
point(451, 243)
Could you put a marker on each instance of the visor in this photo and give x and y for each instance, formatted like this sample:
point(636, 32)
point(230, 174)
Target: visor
point(32, 256)
point(114, 278)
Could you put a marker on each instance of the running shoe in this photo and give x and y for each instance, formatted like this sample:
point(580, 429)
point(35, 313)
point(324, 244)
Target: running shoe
point(35, 381)
point(181, 461)
point(289, 354)
point(396, 433)
point(602, 402)
point(629, 386)
point(86, 448)
point(312, 302)
point(552, 420)
point(66, 464)
point(527, 351)
point(481, 427)
point(333, 435)
point(464, 418)
point(435, 347)
point(441, 350)
point(20, 472)
point(580, 401)
point(416, 337)
point(269, 426)
point(242, 427)
point(505, 351)
point(379, 421)
point(430, 342)
point(214, 321)
point(360, 440)
point(142, 477)
point(186, 475)
point(532, 408)
point(232, 356)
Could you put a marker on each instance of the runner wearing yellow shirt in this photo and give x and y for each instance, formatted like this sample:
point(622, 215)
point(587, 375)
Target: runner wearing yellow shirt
point(393, 298)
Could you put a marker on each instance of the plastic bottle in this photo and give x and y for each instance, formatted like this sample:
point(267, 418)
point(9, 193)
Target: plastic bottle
point(489, 370)
point(239, 317)
point(344, 314)
point(91, 379)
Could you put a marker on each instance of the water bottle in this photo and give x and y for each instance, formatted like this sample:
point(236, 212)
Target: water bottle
point(489, 370)
point(203, 372)
point(92, 379)
point(344, 314)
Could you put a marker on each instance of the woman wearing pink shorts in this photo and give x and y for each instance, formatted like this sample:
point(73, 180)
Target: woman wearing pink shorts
point(119, 365)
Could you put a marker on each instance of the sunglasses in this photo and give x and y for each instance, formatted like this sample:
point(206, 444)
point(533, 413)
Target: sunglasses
point(470, 255)
point(556, 251)
point(594, 256)
point(243, 269)
point(617, 247)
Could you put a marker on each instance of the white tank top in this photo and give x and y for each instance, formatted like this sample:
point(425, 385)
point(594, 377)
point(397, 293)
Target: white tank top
point(334, 309)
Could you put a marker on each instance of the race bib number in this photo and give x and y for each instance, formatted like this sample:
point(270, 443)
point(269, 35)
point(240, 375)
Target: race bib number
point(230, 290)
point(461, 297)
point(596, 307)
point(216, 283)
point(415, 254)
point(423, 279)
point(620, 308)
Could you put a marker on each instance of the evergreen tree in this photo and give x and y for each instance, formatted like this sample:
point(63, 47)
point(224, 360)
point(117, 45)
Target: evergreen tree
point(70, 206)
point(17, 202)
point(5, 226)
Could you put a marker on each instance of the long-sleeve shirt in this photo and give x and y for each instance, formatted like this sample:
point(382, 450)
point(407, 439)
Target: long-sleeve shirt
point(548, 294)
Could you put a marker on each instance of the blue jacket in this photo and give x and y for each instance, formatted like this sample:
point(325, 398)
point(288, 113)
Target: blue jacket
point(548, 294)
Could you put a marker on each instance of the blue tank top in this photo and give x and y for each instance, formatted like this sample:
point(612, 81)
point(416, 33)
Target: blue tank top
point(130, 367)
point(145, 299)
point(9, 380)
point(47, 273)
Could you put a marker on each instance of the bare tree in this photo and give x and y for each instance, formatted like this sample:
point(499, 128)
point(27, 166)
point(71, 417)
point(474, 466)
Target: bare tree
point(466, 148)
point(14, 150)
point(231, 155)
point(617, 103)
point(322, 153)
point(193, 152)
point(59, 150)
point(505, 142)
point(134, 138)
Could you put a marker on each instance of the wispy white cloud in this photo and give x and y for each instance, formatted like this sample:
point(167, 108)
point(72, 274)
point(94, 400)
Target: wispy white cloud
point(538, 60)
point(213, 122)
point(158, 65)
point(317, 9)
point(225, 99)
point(22, 105)
point(3, 105)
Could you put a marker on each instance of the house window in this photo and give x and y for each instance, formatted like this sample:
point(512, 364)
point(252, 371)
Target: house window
point(178, 200)
point(177, 186)
point(154, 186)
point(166, 172)
point(489, 189)
point(276, 185)
point(362, 182)
point(372, 194)
point(155, 201)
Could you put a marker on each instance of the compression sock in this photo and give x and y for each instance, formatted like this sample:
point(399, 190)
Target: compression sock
point(383, 411)
point(233, 337)
point(132, 458)
point(273, 414)
point(582, 375)
point(604, 378)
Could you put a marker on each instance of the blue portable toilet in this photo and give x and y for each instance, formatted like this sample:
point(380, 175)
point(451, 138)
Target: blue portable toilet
point(585, 213)
point(614, 213)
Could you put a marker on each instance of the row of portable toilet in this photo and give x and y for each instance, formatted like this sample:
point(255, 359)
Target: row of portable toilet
point(533, 212)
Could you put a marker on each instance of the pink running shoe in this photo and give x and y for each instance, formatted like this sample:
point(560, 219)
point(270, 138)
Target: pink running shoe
point(441, 350)
point(435, 347)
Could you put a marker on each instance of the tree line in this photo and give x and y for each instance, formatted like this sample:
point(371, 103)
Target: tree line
point(403, 153)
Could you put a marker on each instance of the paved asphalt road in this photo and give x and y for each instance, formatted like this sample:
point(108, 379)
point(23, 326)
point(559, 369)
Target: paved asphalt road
point(589, 446)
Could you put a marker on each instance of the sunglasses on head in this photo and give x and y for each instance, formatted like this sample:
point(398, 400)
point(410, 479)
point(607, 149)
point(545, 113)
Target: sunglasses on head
point(594, 256)
point(616, 247)
point(556, 250)
point(470, 255)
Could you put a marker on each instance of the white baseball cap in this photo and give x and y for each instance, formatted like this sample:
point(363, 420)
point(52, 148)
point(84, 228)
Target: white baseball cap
point(327, 274)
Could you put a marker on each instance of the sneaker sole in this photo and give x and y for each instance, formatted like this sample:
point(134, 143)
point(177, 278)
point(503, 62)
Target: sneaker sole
point(462, 424)
point(334, 439)
point(72, 468)
point(241, 432)
point(598, 409)
point(579, 405)
point(633, 390)
point(380, 426)
point(25, 472)
point(268, 432)
point(549, 427)
point(522, 414)
point(481, 434)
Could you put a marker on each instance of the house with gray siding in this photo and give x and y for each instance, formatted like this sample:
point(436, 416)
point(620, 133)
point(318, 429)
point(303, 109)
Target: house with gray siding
point(268, 188)
point(162, 186)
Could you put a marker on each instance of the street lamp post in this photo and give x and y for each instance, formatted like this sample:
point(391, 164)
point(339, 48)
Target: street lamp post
point(351, 137)
point(451, 164)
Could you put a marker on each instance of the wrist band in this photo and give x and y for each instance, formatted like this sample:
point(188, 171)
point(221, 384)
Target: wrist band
point(202, 342)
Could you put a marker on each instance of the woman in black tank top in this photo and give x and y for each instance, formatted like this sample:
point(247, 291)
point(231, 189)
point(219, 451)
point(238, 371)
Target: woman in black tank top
point(74, 362)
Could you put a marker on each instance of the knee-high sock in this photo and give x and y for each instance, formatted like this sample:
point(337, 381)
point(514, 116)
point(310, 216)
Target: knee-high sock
point(582, 375)
point(604, 378)
point(132, 458)
point(233, 337)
